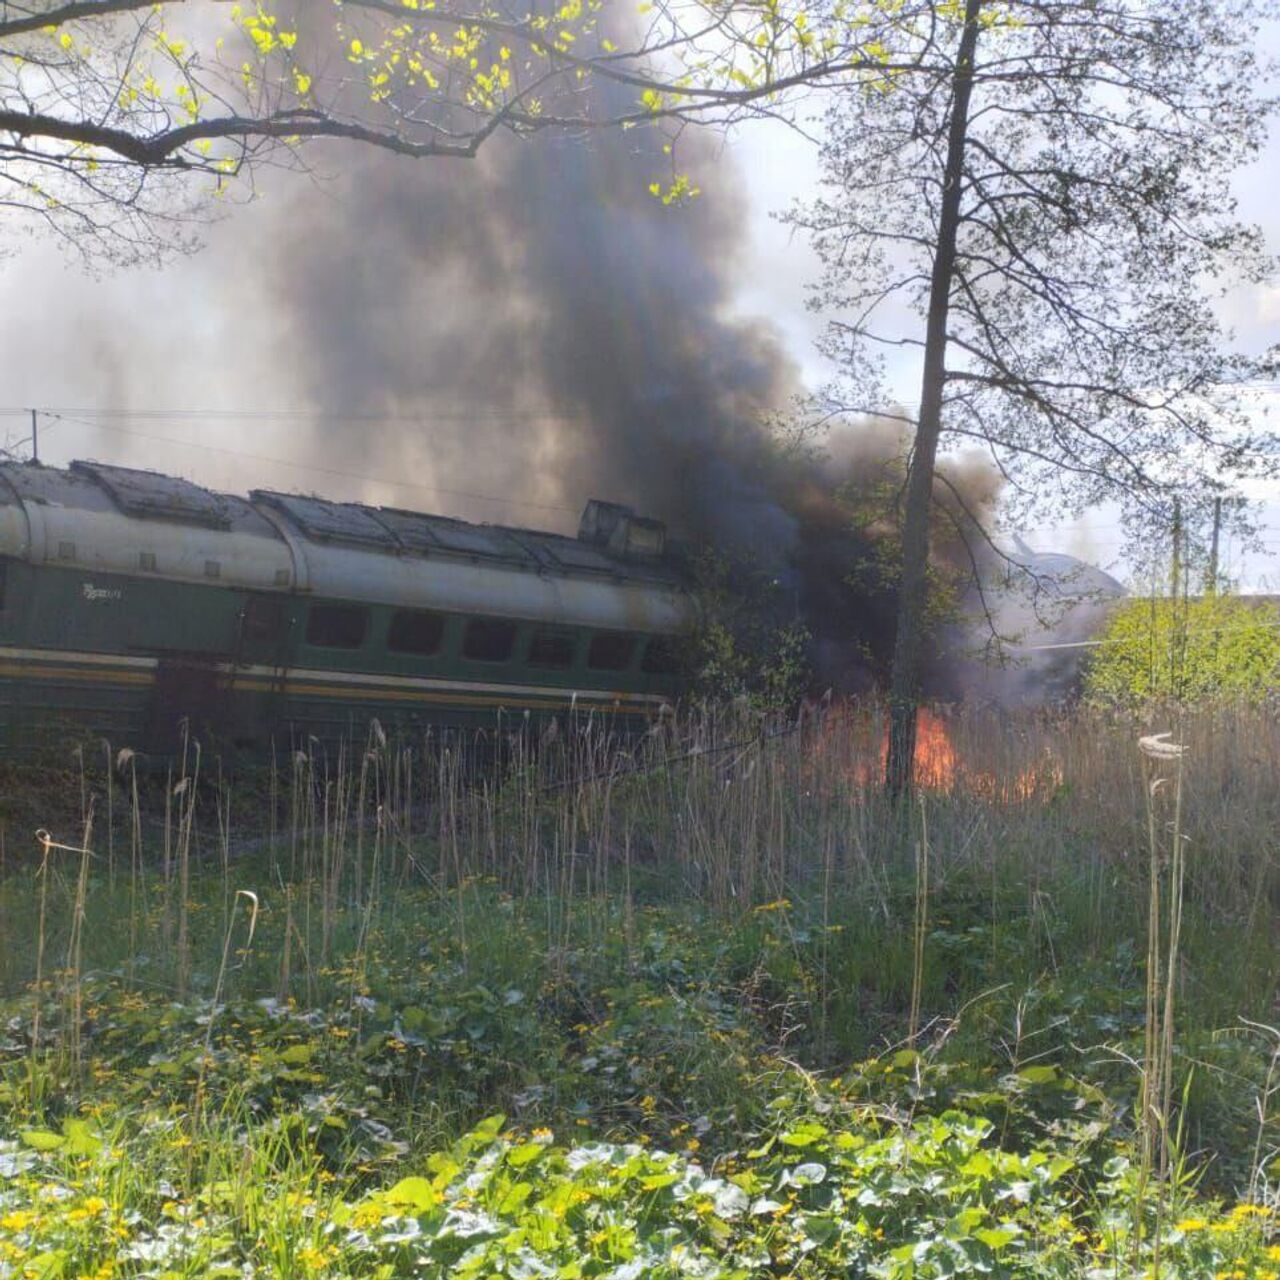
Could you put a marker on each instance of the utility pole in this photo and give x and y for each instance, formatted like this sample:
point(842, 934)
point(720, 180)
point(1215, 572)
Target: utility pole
point(35, 435)
point(1212, 584)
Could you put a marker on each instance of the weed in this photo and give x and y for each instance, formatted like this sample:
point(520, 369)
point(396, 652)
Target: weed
point(739, 1020)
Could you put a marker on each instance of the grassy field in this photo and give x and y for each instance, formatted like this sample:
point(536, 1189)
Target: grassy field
point(704, 1006)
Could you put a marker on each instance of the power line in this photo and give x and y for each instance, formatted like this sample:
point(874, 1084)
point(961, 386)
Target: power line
point(293, 415)
point(1174, 636)
point(303, 466)
point(97, 420)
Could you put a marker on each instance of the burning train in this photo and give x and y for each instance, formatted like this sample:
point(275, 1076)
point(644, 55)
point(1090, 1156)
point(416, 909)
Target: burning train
point(131, 602)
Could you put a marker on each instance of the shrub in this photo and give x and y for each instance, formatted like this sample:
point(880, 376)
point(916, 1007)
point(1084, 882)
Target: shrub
point(1191, 650)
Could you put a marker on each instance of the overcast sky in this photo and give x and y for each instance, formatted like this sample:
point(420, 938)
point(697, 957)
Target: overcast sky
point(191, 337)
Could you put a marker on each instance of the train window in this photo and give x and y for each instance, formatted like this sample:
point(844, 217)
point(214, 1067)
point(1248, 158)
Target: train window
point(661, 657)
point(4, 581)
point(337, 626)
point(551, 649)
point(488, 640)
point(610, 651)
point(417, 631)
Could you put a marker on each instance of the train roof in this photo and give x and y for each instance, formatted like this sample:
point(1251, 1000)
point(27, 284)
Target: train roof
point(121, 519)
point(1067, 576)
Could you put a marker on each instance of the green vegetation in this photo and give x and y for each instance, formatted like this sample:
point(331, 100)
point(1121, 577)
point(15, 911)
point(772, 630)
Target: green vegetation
point(747, 647)
point(702, 1006)
point(1215, 646)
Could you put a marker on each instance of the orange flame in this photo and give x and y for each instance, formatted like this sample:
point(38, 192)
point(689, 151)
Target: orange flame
point(938, 766)
point(935, 757)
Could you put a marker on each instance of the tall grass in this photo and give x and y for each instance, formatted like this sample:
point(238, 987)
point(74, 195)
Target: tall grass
point(1041, 859)
point(1048, 812)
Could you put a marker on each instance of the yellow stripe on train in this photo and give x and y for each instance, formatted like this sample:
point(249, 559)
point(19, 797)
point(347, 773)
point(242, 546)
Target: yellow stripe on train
point(553, 699)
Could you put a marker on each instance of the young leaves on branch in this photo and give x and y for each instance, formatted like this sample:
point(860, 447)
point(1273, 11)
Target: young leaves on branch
point(120, 118)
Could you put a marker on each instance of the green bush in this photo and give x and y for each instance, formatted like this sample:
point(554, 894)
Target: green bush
point(748, 646)
point(1218, 646)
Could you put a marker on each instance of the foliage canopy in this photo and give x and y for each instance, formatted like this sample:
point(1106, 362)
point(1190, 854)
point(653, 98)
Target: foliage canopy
point(119, 118)
point(1217, 646)
point(1036, 213)
point(1077, 340)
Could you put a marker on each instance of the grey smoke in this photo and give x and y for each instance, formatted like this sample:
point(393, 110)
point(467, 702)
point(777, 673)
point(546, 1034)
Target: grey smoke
point(560, 334)
point(558, 331)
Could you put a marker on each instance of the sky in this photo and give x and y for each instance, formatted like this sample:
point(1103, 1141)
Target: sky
point(780, 167)
point(117, 354)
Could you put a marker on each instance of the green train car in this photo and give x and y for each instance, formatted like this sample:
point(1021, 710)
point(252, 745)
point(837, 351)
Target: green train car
point(132, 603)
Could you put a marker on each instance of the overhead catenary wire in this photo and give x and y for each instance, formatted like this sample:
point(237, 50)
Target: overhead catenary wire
point(293, 415)
point(109, 420)
point(467, 495)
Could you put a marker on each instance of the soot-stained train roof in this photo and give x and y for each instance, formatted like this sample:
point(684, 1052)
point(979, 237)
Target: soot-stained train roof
point(108, 519)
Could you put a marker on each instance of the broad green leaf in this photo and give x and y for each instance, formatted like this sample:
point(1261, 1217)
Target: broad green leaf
point(44, 1266)
point(525, 1153)
point(488, 1128)
point(656, 1181)
point(803, 1135)
point(515, 1197)
point(42, 1139)
point(820, 1227)
point(81, 1140)
point(997, 1237)
point(414, 1193)
point(1040, 1074)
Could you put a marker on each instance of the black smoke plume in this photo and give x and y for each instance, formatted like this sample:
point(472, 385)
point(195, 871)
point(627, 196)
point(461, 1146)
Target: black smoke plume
point(558, 331)
point(548, 331)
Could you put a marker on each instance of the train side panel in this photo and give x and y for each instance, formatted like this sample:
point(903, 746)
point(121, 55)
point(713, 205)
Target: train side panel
point(86, 654)
point(130, 659)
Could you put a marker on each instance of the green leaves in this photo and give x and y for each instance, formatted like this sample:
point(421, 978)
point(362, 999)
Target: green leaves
point(1216, 646)
point(803, 1135)
point(921, 1163)
point(80, 1139)
point(839, 1188)
point(417, 1195)
point(525, 1153)
point(41, 1139)
point(76, 1139)
point(997, 1238)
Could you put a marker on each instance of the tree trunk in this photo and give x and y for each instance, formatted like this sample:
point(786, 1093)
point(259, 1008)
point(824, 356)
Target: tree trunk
point(909, 643)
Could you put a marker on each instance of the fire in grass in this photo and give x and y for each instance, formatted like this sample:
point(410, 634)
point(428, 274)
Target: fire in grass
point(851, 748)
